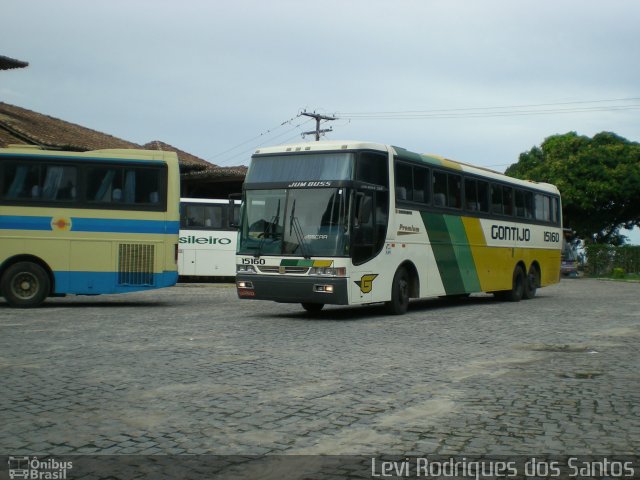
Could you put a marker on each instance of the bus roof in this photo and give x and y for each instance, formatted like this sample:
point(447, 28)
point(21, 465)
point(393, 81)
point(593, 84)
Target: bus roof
point(213, 201)
point(323, 146)
point(433, 160)
point(120, 153)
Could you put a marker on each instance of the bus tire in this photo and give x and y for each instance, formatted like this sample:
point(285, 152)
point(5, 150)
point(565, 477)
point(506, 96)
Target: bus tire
point(312, 307)
point(399, 302)
point(517, 289)
point(25, 285)
point(531, 283)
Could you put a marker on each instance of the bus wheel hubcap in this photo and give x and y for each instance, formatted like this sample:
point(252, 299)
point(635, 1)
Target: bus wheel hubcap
point(25, 285)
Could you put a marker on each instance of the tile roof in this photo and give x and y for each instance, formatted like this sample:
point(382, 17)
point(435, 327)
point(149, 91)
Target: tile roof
point(35, 128)
point(7, 63)
point(215, 173)
point(191, 162)
point(19, 125)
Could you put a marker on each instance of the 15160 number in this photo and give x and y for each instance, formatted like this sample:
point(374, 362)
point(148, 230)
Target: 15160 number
point(552, 237)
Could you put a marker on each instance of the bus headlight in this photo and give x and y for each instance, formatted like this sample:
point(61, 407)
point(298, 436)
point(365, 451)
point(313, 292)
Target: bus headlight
point(245, 269)
point(329, 271)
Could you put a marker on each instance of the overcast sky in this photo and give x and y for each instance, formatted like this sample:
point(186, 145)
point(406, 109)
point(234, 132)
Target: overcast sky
point(217, 79)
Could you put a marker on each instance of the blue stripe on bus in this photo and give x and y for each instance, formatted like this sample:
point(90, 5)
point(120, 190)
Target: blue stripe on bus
point(105, 225)
point(123, 225)
point(15, 222)
point(95, 283)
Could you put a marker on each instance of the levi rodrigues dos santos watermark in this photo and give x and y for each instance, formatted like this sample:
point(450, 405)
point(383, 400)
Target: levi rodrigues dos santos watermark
point(463, 467)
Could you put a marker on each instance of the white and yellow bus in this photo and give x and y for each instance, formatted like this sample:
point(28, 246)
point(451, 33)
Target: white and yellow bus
point(88, 223)
point(350, 223)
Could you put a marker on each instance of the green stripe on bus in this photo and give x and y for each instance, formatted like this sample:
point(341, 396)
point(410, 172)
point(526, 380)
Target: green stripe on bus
point(452, 253)
point(444, 252)
point(466, 265)
point(295, 263)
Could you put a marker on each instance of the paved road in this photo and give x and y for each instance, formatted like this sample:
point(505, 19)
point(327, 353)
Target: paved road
point(192, 369)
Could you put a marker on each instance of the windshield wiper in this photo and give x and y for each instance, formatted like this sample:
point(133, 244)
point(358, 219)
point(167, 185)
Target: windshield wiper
point(294, 226)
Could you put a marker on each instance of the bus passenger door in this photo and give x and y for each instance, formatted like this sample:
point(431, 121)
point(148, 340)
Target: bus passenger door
point(369, 229)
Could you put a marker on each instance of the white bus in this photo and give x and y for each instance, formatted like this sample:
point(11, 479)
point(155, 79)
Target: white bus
point(208, 235)
point(349, 223)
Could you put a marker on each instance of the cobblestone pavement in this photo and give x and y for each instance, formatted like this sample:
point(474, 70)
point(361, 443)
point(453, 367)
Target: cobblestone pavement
point(192, 369)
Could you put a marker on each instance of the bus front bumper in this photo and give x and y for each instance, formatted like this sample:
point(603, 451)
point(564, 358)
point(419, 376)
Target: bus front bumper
point(288, 289)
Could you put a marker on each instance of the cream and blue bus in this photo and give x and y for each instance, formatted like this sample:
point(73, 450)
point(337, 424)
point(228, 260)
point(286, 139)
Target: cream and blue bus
point(349, 223)
point(86, 223)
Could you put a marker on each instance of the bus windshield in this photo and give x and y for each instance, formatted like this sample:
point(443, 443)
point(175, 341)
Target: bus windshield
point(312, 166)
point(300, 222)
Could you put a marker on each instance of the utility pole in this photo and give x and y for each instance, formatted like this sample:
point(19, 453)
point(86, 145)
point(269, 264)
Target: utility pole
point(317, 117)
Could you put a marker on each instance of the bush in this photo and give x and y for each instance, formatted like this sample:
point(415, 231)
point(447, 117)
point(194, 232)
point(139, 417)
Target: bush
point(618, 273)
point(607, 259)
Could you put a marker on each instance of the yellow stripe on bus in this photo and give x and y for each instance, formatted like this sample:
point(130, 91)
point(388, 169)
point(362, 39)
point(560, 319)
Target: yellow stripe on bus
point(494, 265)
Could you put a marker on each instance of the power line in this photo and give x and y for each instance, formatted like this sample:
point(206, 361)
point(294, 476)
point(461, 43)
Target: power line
point(266, 132)
point(270, 140)
point(410, 116)
point(482, 110)
point(513, 113)
point(558, 108)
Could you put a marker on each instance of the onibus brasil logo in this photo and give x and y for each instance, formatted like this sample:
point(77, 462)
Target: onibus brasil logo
point(32, 468)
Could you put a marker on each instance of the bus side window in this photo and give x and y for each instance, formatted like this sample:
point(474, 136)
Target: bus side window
point(101, 183)
point(555, 210)
point(483, 196)
point(542, 211)
point(471, 194)
point(66, 183)
point(372, 168)
point(213, 216)
point(454, 199)
point(496, 199)
point(507, 200)
point(439, 189)
point(21, 181)
point(40, 182)
point(194, 216)
point(524, 204)
point(421, 185)
point(404, 182)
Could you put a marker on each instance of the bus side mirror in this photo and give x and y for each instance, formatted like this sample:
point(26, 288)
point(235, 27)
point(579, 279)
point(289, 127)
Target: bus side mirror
point(234, 221)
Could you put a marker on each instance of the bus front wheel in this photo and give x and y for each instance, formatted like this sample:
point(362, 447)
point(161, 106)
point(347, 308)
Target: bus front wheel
point(399, 302)
point(25, 284)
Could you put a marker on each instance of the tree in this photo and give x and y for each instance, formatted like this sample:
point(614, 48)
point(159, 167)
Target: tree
point(598, 178)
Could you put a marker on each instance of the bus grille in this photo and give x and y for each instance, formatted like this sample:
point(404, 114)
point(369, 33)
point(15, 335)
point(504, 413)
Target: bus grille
point(135, 264)
point(275, 269)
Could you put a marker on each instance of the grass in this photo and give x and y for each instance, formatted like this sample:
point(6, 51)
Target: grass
point(627, 277)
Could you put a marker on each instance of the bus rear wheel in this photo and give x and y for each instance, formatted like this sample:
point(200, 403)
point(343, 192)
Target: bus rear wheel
point(517, 289)
point(312, 307)
point(531, 283)
point(25, 285)
point(399, 303)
